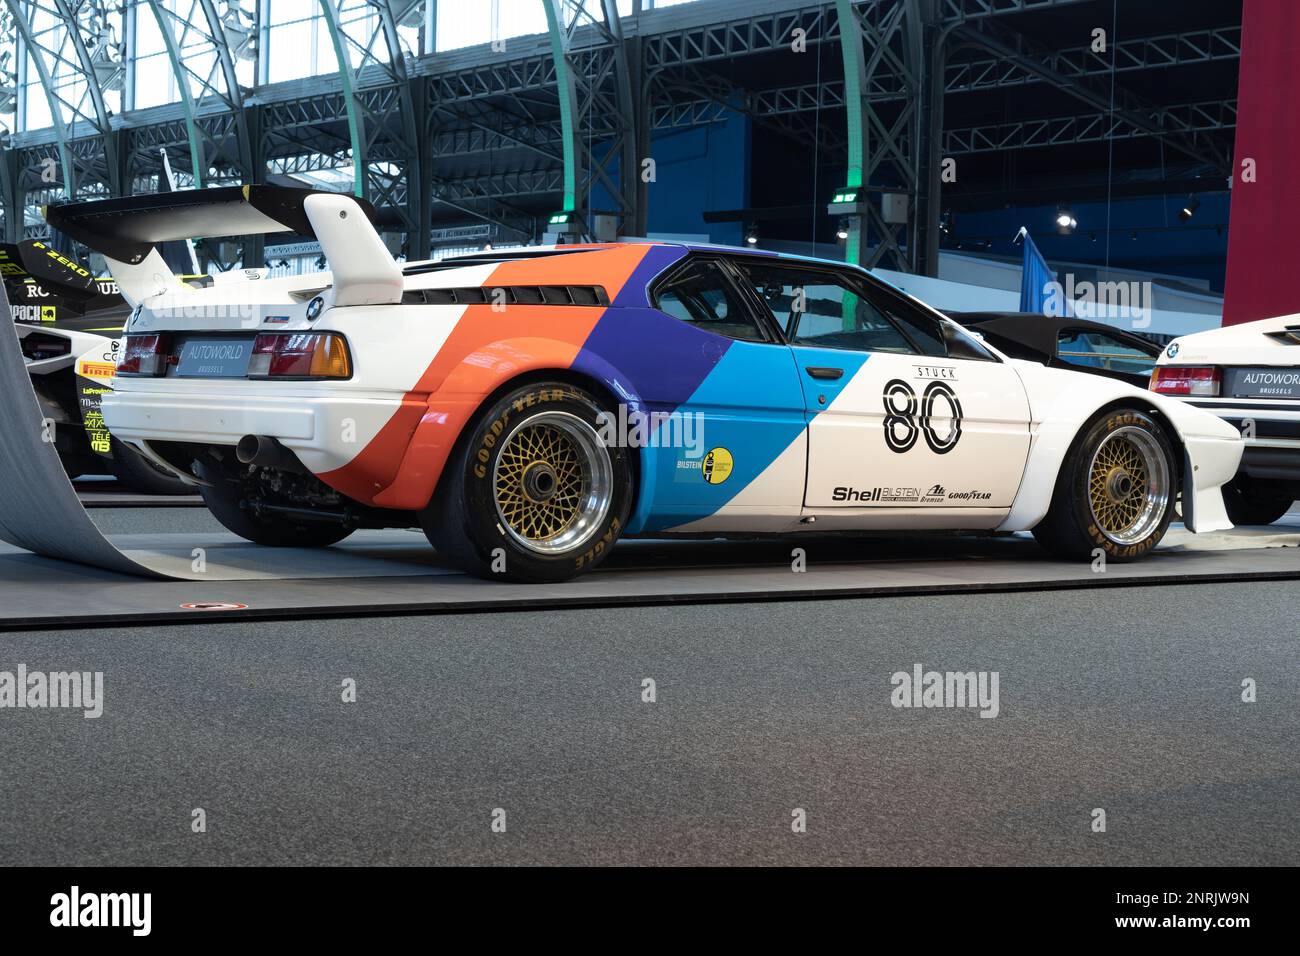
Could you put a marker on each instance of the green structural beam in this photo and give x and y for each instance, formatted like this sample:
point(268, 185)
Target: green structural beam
point(349, 94)
point(187, 100)
point(855, 78)
point(568, 94)
point(61, 138)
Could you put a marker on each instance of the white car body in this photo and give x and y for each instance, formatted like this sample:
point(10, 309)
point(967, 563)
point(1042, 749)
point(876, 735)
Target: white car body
point(1258, 389)
point(797, 437)
point(1021, 419)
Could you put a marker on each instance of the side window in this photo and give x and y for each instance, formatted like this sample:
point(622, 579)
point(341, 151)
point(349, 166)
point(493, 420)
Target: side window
point(925, 330)
point(701, 294)
point(821, 309)
point(1098, 350)
point(962, 344)
point(935, 336)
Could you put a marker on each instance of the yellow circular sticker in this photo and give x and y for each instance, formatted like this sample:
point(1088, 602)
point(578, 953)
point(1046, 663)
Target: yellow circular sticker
point(717, 465)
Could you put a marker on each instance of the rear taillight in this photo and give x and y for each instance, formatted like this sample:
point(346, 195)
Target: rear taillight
point(143, 355)
point(39, 346)
point(300, 355)
point(1186, 380)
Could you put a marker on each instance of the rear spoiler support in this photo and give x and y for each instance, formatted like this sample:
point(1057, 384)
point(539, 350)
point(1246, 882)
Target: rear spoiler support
point(127, 231)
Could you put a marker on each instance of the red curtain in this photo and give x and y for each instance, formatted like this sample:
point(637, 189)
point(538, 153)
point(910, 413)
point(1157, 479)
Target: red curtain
point(1262, 259)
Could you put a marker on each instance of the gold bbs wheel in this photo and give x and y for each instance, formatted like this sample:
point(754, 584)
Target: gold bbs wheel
point(1128, 485)
point(552, 483)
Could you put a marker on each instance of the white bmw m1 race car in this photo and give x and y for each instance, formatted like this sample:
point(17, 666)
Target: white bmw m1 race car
point(529, 408)
point(1248, 375)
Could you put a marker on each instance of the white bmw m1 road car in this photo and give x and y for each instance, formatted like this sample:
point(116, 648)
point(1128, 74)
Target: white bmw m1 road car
point(1248, 375)
point(529, 408)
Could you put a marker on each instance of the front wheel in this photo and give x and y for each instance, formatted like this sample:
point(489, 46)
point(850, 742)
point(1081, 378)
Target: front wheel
point(1115, 491)
point(533, 492)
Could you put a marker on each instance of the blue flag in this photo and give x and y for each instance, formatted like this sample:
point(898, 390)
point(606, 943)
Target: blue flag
point(1034, 277)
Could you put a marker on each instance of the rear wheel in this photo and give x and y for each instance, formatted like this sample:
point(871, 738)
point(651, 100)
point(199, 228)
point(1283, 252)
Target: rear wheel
point(532, 492)
point(225, 498)
point(1115, 491)
point(1250, 502)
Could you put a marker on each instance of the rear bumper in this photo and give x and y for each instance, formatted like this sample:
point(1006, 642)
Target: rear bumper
point(326, 431)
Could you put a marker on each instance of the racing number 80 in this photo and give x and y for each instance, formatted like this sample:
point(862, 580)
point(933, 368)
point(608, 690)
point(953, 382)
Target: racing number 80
point(901, 408)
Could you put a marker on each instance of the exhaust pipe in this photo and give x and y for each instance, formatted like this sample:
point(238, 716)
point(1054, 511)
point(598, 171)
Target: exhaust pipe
point(265, 452)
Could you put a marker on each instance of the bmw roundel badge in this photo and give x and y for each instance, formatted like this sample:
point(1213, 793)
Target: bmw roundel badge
point(1172, 351)
point(314, 307)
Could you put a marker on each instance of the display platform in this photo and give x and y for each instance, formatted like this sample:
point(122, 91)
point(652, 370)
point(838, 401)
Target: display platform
point(396, 572)
point(58, 569)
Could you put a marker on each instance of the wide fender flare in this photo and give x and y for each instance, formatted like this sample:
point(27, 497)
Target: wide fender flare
point(467, 387)
point(1062, 402)
point(620, 387)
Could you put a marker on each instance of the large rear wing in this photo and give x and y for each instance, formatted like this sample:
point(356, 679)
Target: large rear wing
point(127, 232)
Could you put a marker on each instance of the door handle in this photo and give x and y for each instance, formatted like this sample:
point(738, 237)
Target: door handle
point(821, 371)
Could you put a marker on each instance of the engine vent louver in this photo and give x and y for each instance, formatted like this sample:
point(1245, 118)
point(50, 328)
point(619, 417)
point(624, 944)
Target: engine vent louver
point(1289, 335)
point(588, 295)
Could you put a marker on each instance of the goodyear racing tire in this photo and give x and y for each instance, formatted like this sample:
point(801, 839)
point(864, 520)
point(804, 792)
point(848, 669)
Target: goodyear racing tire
point(140, 474)
point(1115, 490)
point(224, 498)
point(1251, 503)
point(532, 492)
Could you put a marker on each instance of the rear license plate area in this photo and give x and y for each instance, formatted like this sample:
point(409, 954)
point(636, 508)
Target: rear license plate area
point(1263, 382)
point(211, 356)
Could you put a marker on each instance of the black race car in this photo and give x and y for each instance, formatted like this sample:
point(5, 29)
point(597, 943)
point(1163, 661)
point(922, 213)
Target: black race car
point(1076, 344)
point(68, 324)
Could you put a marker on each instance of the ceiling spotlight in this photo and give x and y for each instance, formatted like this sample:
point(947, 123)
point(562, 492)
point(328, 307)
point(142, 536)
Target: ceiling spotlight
point(1189, 208)
point(1065, 221)
point(751, 236)
point(842, 230)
